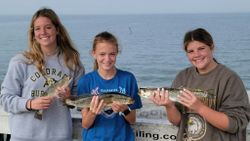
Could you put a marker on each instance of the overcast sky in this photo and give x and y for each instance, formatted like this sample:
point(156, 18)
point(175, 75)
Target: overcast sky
point(28, 7)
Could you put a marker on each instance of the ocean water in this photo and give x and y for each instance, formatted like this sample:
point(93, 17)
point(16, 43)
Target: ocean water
point(151, 45)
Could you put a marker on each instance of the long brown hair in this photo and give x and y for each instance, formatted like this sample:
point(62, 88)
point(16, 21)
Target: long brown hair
point(104, 37)
point(64, 43)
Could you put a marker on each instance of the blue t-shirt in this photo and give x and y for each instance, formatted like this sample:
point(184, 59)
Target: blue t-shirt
point(110, 125)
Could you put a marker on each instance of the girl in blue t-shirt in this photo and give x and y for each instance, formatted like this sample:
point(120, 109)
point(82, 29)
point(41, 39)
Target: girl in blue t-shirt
point(100, 123)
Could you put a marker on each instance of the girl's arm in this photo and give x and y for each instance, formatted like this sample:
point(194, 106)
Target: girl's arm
point(217, 119)
point(89, 114)
point(161, 98)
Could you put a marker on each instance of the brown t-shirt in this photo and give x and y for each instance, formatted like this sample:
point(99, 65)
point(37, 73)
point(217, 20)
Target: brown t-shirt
point(231, 99)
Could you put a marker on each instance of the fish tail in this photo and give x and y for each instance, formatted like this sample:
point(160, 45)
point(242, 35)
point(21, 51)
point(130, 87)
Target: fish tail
point(69, 106)
point(66, 104)
point(39, 114)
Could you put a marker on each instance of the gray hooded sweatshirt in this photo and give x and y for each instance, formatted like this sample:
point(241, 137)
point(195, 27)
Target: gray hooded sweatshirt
point(23, 82)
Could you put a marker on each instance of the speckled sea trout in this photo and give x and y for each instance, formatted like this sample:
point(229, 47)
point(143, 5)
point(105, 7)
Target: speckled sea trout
point(51, 92)
point(84, 101)
point(205, 96)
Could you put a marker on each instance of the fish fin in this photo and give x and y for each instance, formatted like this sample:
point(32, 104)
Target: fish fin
point(39, 114)
point(70, 106)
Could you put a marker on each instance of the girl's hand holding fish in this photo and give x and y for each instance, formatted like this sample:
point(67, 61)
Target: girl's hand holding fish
point(119, 107)
point(62, 92)
point(95, 108)
point(161, 98)
point(188, 99)
point(123, 109)
point(96, 105)
point(40, 103)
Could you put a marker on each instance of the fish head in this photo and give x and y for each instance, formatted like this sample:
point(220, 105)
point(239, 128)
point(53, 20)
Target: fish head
point(65, 81)
point(145, 92)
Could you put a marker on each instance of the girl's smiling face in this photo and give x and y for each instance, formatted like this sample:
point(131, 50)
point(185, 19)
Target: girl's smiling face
point(45, 33)
point(201, 56)
point(105, 54)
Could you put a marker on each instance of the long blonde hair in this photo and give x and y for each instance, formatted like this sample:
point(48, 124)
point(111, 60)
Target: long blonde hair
point(64, 43)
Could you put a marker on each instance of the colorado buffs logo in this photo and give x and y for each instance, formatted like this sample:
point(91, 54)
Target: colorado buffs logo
point(196, 127)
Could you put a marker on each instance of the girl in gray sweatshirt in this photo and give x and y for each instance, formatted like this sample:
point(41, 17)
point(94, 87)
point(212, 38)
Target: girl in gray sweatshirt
point(197, 120)
point(51, 56)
